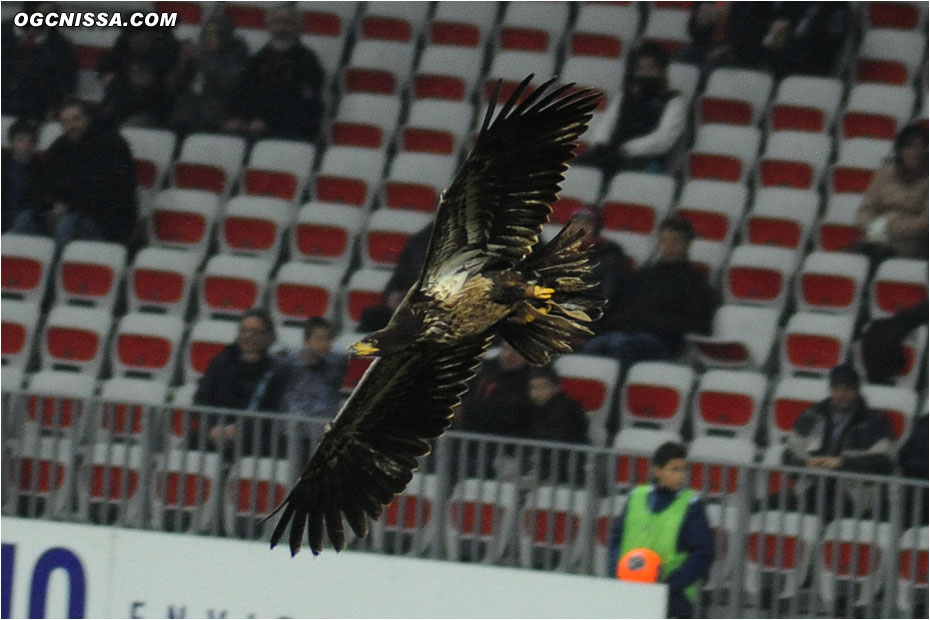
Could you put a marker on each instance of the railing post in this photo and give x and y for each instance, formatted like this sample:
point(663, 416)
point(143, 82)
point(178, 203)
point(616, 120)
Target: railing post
point(895, 518)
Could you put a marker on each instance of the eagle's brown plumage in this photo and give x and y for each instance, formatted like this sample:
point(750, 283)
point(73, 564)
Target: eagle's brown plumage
point(484, 273)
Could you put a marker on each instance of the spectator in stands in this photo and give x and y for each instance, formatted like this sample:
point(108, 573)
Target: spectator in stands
point(406, 273)
point(611, 265)
point(893, 212)
point(650, 122)
point(881, 342)
point(242, 376)
point(788, 37)
point(22, 172)
point(671, 521)
point(411, 261)
point(913, 461)
point(709, 30)
point(91, 184)
point(314, 373)
point(208, 77)
point(283, 89)
point(554, 416)
point(838, 434)
point(134, 75)
point(40, 66)
point(662, 302)
point(497, 403)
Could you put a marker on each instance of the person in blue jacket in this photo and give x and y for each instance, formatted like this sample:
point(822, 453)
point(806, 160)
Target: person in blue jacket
point(671, 521)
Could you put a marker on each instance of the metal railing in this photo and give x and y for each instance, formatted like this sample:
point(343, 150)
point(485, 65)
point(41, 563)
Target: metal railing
point(789, 542)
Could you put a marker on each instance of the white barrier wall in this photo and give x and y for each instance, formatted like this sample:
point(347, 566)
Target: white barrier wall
point(60, 570)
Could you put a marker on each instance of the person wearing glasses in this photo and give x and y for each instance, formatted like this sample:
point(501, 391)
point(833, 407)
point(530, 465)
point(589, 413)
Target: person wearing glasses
point(241, 376)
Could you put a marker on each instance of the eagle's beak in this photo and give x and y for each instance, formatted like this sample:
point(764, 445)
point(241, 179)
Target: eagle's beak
point(363, 349)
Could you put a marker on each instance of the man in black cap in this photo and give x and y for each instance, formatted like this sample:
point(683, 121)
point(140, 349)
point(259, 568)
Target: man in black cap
point(839, 433)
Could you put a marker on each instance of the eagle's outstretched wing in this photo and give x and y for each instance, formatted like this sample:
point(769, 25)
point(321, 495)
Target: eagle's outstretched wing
point(369, 452)
point(500, 197)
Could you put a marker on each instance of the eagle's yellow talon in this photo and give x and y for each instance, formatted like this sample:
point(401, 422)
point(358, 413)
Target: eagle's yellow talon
point(534, 313)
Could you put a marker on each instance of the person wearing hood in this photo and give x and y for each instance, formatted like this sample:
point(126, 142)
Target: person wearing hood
point(208, 77)
point(650, 121)
point(134, 77)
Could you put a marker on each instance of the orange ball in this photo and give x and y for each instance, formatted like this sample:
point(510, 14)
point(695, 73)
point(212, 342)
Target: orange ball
point(639, 565)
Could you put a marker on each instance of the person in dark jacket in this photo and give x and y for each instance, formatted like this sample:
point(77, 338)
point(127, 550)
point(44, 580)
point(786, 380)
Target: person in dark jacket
point(208, 77)
point(708, 27)
point(90, 183)
point(497, 403)
point(406, 273)
point(611, 266)
point(22, 172)
point(40, 67)
point(881, 342)
point(912, 459)
point(554, 416)
point(242, 376)
point(661, 303)
point(789, 37)
point(410, 263)
point(283, 88)
point(686, 549)
point(134, 75)
point(838, 434)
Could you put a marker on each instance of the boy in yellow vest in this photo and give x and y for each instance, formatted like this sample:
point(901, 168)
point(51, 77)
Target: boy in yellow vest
point(673, 523)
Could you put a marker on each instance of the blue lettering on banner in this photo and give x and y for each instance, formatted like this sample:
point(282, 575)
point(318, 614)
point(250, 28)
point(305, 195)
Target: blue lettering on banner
point(53, 559)
point(135, 608)
point(6, 573)
point(179, 613)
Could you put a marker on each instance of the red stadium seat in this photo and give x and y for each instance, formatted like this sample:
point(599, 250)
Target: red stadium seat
point(900, 15)
point(815, 342)
point(207, 338)
point(388, 231)
point(325, 232)
point(58, 402)
point(759, 275)
point(303, 290)
point(364, 290)
point(74, 338)
point(232, 285)
point(146, 345)
point(899, 283)
point(26, 264)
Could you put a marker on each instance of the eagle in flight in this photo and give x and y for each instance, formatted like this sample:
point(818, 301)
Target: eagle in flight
point(485, 274)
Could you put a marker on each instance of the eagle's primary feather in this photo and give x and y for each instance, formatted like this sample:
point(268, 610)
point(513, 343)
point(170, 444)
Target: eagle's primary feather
point(483, 274)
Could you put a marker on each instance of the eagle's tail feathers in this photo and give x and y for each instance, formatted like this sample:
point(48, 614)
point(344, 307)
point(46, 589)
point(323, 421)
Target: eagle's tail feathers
point(543, 329)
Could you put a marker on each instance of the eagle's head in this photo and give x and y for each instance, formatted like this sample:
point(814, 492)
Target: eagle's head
point(382, 342)
point(365, 347)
